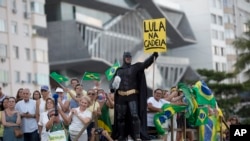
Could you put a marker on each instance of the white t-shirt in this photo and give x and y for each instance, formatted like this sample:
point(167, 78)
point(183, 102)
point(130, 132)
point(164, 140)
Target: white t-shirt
point(42, 105)
point(156, 104)
point(76, 124)
point(42, 122)
point(29, 125)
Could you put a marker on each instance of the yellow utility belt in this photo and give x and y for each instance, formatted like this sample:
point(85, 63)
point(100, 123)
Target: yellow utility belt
point(127, 93)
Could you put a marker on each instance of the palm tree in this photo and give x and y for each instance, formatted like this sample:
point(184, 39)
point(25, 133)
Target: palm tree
point(242, 45)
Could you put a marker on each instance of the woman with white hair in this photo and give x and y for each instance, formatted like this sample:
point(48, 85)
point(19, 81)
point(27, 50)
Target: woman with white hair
point(79, 118)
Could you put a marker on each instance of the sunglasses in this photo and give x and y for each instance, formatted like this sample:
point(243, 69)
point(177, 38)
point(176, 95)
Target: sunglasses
point(43, 90)
point(51, 115)
point(91, 94)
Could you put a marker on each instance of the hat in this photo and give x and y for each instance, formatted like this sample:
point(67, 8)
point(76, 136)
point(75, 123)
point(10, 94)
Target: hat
point(45, 87)
point(59, 90)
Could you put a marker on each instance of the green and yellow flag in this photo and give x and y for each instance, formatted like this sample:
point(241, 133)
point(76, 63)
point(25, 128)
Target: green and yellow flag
point(104, 120)
point(201, 115)
point(168, 110)
point(111, 71)
point(203, 94)
point(58, 78)
point(91, 76)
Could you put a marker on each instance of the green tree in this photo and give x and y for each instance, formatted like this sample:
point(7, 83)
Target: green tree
point(242, 45)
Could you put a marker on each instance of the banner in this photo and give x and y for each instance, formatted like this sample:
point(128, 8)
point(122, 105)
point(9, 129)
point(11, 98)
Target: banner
point(155, 36)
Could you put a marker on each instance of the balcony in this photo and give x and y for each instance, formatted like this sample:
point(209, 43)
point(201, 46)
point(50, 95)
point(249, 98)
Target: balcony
point(39, 42)
point(38, 20)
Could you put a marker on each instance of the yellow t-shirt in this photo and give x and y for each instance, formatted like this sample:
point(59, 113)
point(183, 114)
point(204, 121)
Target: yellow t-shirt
point(74, 93)
point(1, 126)
point(94, 106)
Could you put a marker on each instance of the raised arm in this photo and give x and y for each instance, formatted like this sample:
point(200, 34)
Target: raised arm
point(150, 60)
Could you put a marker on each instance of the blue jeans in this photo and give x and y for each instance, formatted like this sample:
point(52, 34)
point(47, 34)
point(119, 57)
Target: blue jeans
point(33, 136)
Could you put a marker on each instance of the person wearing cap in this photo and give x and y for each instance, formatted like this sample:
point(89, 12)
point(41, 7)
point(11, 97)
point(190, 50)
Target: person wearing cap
point(62, 102)
point(40, 103)
point(129, 85)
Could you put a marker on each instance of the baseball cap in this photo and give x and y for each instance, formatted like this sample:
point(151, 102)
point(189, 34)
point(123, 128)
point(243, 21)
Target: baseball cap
point(45, 87)
point(59, 90)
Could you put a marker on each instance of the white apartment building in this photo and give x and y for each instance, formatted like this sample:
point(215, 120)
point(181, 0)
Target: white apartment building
point(206, 20)
point(237, 13)
point(216, 24)
point(23, 53)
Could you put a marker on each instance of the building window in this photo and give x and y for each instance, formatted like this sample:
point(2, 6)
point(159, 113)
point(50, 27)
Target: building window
point(27, 51)
point(16, 51)
point(229, 34)
point(220, 20)
point(224, 67)
point(220, 35)
point(42, 79)
point(26, 30)
point(13, 4)
point(14, 27)
point(41, 56)
point(228, 18)
point(228, 3)
point(25, 6)
point(213, 3)
point(219, 4)
point(3, 50)
point(37, 7)
point(216, 50)
point(217, 66)
point(17, 76)
point(29, 77)
point(2, 2)
point(4, 76)
point(214, 34)
point(222, 51)
point(246, 28)
point(213, 18)
point(2, 25)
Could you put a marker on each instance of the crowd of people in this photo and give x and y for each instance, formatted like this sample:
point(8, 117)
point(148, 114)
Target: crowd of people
point(77, 109)
point(72, 113)
point(39, 114)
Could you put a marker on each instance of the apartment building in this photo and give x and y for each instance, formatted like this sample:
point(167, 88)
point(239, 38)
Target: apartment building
point(23, 52)
point(216, 24)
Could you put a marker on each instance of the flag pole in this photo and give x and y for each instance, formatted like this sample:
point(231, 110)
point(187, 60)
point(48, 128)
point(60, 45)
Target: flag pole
point(82, 78)
point(153, 77)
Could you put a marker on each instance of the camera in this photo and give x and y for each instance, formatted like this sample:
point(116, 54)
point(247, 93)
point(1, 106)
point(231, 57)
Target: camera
point(98, 131)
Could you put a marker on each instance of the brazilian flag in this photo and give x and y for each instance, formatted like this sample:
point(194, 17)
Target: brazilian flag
point(189, 99)
point(58, 78)
point(201, 115)
point(111, 71)
point(207, 132)
point(104, 120)
point(91, 76)
point(203, 94)
point(168, 110)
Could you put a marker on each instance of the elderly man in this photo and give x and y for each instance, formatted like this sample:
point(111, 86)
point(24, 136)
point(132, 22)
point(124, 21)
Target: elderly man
point(27, 110)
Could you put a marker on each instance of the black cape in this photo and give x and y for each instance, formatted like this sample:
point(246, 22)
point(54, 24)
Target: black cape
point(142, 111)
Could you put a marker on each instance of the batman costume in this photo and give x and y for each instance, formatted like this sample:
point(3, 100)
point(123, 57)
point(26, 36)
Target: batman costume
point(130, 116)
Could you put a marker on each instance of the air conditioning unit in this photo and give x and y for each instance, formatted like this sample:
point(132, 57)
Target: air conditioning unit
point(14, 11)
point(26, 15)
point(4, 84)
point(34, 82)
point(2, 60)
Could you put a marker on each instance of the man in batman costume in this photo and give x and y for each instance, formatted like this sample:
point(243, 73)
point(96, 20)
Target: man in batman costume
point(130, 116)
